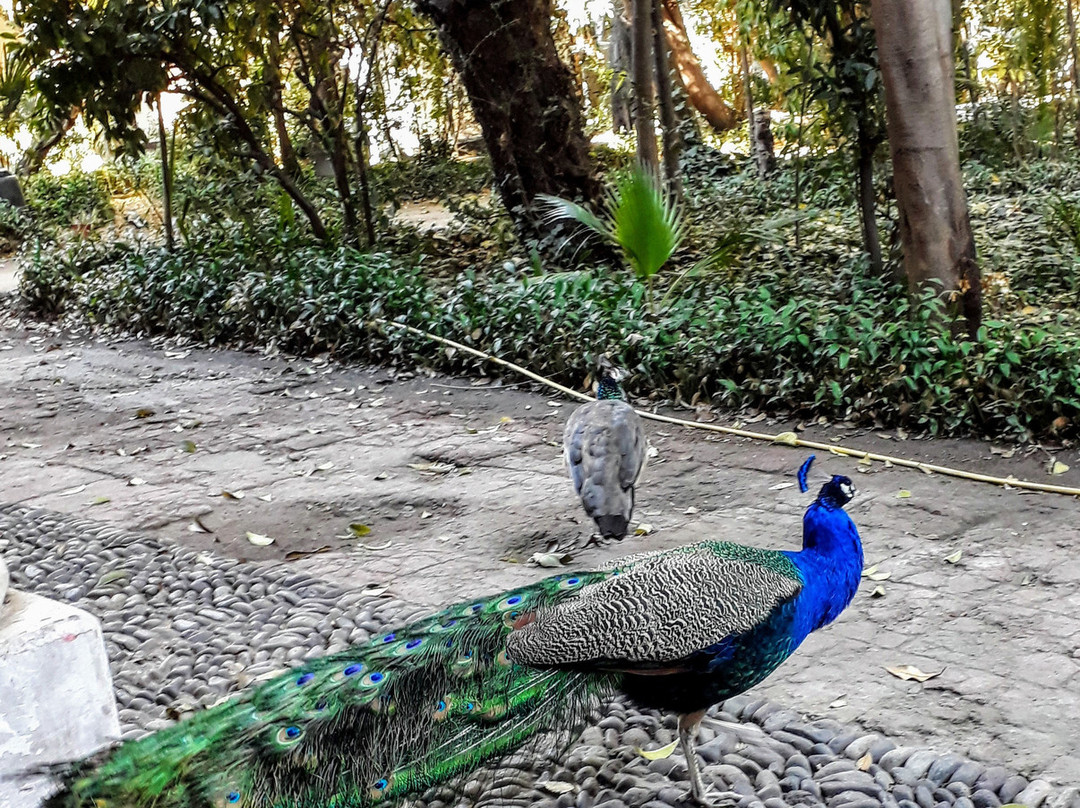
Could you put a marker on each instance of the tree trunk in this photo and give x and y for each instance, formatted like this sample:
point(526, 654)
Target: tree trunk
point(523, 98)
point(669, 123)
point(289, 161)
point(166, 180)
point(1070, 20)
point(34, 158)
point(868, 200)
point(644, 97)
point(705, 99)
point(619, 61)
point(915, 52)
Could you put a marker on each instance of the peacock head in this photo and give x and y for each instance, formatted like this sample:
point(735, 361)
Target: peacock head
point(609, 379)
point(837, 492)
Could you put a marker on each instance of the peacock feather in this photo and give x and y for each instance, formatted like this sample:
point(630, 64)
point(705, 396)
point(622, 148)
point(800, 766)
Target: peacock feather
point(679, 630)
point(605, 448)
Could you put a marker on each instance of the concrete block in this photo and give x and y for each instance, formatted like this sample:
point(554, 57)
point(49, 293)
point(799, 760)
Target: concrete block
point(56, 697)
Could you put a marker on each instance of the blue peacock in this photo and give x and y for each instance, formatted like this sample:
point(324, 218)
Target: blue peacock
point(676, 630)
point(605, 448)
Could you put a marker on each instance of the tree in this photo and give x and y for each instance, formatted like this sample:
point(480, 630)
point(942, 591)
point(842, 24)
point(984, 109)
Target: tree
point(915, 53)
point(702, 95)
point(522, 96)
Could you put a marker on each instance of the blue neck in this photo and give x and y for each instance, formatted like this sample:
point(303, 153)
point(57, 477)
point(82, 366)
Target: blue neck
point(609, 389)
point(831, 563)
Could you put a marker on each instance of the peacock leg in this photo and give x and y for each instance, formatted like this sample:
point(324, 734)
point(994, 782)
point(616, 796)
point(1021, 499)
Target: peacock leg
point(688, 726)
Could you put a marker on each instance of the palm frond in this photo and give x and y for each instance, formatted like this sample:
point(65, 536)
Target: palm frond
point(648, 222)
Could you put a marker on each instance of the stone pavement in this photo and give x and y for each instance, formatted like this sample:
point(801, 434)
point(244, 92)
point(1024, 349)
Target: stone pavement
point(452, 484)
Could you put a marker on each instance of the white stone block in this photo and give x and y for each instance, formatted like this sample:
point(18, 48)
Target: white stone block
point(56, 697)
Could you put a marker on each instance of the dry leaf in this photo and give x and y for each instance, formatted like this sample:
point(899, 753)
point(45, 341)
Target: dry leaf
point(903, 494)
point(143, 412)
point(908, 672)
point(259, 540)
point(373, 548)
point(359, 530)
point(549, 559)
point(296, 555)
point(691, 510)
point(136, 481)
point(780, 486)
point(877, 576)
point(879, 592)
point(1058, 467)
point(841, 702)
point(863, 763)
point(788, 438)
point(652, 452)
point(954, 557)
point(233, 494)
point(197, 526)
point(72, 491)
point(643, 529)
point(99, 500)
point(425, 514)
point(188, 446)
point(382, 475)
point(657, 754)
point(865, 460)
point(266, 498)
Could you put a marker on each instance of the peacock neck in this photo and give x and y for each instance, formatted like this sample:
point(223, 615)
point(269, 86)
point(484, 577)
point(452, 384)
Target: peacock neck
point(831, 563)
point(609, 390)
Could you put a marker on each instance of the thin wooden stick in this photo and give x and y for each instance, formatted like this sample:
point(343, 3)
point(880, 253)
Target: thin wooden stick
point(785, 438)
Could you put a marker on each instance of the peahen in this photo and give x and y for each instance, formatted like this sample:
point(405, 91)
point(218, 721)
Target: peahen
point(676, 630)
point(604, 445)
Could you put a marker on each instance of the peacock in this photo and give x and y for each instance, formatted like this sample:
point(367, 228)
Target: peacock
point(605, 449)
point(677, 630)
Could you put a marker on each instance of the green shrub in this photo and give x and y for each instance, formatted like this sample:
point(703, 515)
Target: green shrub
point(77, 196)
point(856, 350)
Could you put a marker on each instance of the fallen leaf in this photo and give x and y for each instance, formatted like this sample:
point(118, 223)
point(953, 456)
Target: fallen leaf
point(788, 438)
point(266, 498)
point(549, 559)
point(373, 548)
point(1058, 467)
point(359, 530)
point(325, 466)
point(188, 446)
point(197, 526)
point(143, 412)
point(136, 481)
point(296, 555)
point(99, 501)
point(643, 529)
point(259, 540)
point(233, 494)
point(112, 577)
point(652, 452)
point(781, 486)
point(691, 510)
point(374, 590)
point(864, 763)
point(839, 703)
point(865, 460)
point(558, 787)
point(72, 491)
point(954, 557)
point(425, 514)
point(382, 475)
point(908, 672)
point(657, 754)
point(903, 494)
point(877, 576)
point(506, 419)
point(879, 592)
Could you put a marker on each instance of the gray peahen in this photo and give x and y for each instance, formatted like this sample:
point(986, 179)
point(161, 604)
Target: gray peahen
point(676, 630)
point(605, 449)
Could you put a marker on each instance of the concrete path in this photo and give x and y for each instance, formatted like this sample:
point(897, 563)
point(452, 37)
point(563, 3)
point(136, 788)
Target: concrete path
point(436, 488)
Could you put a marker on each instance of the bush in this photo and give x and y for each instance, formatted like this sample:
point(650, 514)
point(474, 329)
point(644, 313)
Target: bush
point(857, 350)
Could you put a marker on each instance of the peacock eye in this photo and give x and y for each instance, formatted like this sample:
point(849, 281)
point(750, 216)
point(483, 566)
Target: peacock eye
point(303, 680)
point(233, 797)
point(381, 784)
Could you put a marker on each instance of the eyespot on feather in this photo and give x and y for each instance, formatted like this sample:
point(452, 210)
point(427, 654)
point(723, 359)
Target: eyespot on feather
point(288, 736)
point(380, 788)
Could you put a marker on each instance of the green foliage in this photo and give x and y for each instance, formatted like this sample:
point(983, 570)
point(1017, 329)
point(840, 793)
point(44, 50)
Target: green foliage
point(434, 173)
point(759, 336)
point(58, 201)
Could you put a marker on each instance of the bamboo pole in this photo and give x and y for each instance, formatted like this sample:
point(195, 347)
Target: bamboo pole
point(784, 438)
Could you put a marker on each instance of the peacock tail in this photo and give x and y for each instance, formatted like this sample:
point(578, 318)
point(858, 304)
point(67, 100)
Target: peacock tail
point(408, 709)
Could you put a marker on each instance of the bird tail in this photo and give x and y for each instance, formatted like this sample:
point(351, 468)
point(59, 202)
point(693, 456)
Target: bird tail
point(409, 709)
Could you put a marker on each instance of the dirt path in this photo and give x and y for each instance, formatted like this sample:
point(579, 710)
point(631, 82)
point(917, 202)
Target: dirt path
point(460, 481)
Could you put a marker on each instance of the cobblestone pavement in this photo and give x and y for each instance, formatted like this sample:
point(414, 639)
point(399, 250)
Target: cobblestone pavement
point(460, 481)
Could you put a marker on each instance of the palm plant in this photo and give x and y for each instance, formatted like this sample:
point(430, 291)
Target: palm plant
point(639, 217)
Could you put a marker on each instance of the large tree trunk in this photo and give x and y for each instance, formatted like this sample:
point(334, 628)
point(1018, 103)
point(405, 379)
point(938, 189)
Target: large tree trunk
point(1074, 70)
point(644, 97)
point(705, 99)
point(523, 97)
point(668, 122)
point(619, 61)
point(915, 52)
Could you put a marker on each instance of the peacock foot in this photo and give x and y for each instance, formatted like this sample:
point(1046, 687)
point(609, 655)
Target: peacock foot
point(711, 798)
